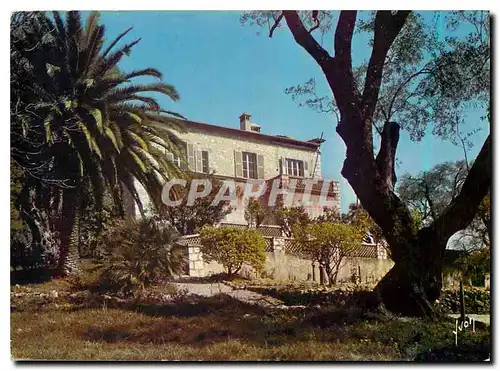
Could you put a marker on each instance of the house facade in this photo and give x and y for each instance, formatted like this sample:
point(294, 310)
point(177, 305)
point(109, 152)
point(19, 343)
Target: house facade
point(246, 153)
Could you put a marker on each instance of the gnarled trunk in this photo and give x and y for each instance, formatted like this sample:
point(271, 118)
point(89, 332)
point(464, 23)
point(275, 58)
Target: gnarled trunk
point(415, 280)
point(414, 283)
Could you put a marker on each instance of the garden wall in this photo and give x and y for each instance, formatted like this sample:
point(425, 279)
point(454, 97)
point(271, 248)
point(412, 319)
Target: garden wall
point(366, 265)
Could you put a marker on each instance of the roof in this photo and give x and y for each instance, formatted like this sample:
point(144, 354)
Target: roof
point(313, 144)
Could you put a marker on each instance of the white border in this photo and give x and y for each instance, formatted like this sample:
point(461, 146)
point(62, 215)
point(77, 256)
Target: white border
point(8, 7)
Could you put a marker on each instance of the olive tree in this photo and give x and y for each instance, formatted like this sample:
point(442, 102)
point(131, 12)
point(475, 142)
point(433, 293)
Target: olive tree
point(410, 81)
point(329, 243)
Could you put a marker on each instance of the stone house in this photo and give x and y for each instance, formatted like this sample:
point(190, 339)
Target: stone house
point(246, 153)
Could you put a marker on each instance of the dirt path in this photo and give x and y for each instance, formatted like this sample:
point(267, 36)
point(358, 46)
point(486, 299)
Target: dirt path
point(211, 289)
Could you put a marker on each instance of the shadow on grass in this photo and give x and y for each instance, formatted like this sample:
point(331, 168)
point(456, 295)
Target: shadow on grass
point(23, 277)
point(221, 305)
point(215, 319)
point(223, 318)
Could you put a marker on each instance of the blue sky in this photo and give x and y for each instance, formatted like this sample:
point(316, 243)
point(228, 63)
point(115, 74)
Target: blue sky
point(222, 69)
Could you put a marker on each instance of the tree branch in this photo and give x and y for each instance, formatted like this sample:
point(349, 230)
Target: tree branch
point(462, 210)
point(387, 27)
point(386, 157)
point(429, 201)
point(276, 24)
point(343, 38)
point(304, 38)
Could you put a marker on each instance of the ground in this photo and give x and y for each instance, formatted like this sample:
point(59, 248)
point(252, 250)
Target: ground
point(60, 319)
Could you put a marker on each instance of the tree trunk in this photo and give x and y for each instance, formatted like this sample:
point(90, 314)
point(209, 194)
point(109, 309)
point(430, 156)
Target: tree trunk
point(415, 280)
point(69, 231)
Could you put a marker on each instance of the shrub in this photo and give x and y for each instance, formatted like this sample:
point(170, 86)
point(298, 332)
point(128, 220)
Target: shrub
point(139, 252)
point(329, 243)
point(32, 247)
point(477, 301)
point(254, 213)
point(232, 247)
point(189, 219)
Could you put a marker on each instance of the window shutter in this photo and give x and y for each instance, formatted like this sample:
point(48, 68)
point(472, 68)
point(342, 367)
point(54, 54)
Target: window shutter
point(190, 156)
point(210, 165)
point(260, 167)
point(199, 163)
point(306, 169)
point(284, 166)
point(238, 166)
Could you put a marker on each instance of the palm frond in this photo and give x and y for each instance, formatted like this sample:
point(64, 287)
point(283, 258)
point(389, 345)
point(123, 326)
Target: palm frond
point(115, 41)
point(145, 72)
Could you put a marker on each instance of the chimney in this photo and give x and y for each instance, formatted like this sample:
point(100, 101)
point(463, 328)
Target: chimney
point(245, 121)
point(246, 125)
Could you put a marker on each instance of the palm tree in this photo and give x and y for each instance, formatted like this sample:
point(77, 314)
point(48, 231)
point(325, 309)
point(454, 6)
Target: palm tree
point(99, 128)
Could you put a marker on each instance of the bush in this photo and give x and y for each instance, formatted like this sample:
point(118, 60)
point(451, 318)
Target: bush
point(32, 248)
point(232, 247)
point(477, 301)
point(139, 252)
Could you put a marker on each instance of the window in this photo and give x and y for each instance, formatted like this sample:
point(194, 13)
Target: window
point(204, 162)
point(295, 167)
point(249, 165)
point(179, 159)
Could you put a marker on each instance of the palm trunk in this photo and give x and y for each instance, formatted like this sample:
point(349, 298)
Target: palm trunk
point(69, 231)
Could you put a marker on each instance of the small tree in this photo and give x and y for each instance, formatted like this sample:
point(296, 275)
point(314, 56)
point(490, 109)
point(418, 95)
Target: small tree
point(232, 247)
point(292, 218)
point(329, 243)
point(254, 213)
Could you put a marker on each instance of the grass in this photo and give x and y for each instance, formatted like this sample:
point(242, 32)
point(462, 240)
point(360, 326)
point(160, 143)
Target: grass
point(221, 328)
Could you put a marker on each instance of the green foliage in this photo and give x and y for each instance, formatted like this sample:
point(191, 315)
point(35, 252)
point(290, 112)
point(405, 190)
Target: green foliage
point(477, 301)
point(417, 221)
point(254, 213)
point(475, 265)
point(426, 81)
point(16, 186)
point(139, 252)
point(357, 217)
point(232, 247)
point(430, 192)
point(320, 20)
point(189, 219)
point(328, 243)
point(99, 119)
point(79, 122)
point(28, 253)
point(93, 221)
point(291, 219)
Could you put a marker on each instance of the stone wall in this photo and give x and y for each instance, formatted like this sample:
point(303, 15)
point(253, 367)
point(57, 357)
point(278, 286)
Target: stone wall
point(282, 264)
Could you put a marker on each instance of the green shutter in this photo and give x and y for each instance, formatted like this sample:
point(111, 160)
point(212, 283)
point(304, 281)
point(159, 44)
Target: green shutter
point(199, 163)
point(260, 167)
point(238, 166)
point(190, 156)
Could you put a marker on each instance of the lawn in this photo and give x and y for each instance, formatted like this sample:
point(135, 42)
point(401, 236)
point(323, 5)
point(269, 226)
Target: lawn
point(70, 326)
